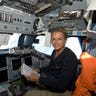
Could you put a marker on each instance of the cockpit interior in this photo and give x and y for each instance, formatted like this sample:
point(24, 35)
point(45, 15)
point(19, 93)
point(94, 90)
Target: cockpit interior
point(25, 28)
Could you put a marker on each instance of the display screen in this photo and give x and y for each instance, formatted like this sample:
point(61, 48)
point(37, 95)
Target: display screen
point(16, 64)
point(26, 40)
point(2, 61)
point(28, 60)
point(3, 76)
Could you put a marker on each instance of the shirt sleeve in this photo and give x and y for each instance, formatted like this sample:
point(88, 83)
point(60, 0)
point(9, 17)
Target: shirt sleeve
point(44, 69)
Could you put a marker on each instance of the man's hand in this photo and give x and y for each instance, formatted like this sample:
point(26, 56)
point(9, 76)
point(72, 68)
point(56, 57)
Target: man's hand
point(33, 78)
point(37, 70)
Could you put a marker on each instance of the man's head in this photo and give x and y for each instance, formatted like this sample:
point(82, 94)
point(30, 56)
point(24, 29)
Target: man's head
point(58, 38)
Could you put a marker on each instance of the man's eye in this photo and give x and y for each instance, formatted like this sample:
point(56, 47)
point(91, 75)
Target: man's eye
point(60, 39)
point(57, 39)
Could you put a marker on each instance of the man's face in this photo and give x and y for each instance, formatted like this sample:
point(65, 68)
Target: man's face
point(58, 40)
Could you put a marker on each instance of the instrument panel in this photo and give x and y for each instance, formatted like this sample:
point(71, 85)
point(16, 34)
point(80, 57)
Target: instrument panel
point(15, 21)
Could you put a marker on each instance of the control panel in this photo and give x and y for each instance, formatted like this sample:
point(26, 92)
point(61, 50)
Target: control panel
point(16, 21)
point(14, 64)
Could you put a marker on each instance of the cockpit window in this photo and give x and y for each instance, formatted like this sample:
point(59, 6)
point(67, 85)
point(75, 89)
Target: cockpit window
point(73, 43)
point(41, 46)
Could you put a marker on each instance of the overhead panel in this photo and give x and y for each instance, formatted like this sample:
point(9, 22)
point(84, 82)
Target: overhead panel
point(15, 21)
